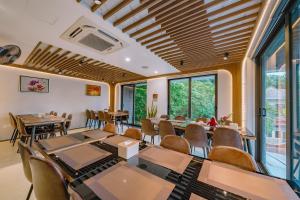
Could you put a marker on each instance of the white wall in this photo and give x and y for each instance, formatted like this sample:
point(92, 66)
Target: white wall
point(66, 95)
point(160, 87)
point(249, 94)
point(224, 93)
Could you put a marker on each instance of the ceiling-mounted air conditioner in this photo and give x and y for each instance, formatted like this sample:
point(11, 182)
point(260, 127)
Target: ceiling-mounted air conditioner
point(86, 34)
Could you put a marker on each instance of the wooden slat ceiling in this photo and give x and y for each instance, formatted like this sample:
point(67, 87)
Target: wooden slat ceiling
point(188, 34)
point(47, 58)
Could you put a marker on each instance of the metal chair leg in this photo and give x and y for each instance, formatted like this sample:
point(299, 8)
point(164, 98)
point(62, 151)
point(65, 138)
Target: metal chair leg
point(12, 135)
point(15, 137)
point(29, 192)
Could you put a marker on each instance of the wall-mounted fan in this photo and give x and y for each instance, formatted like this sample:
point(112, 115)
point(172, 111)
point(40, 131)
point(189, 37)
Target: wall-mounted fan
point(9, 53)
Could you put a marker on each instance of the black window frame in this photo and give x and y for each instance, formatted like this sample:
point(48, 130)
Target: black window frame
point(215, 75)
point(133, 102)
point(280, 19)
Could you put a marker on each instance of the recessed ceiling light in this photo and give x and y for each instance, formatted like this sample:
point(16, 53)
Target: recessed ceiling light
point(127, 59)
point(226, 55)
point(155, 72)
point(98, 2)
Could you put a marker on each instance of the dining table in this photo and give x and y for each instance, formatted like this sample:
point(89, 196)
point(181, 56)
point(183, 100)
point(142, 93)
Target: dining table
point(37, 120)
point(181, 125)
point(96, 171)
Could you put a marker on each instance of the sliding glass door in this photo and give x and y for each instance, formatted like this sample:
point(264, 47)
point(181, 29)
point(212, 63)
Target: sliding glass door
point(134, 100)
point(193, 97)
point(127, 100)
point(273, 110)
point(295, 138)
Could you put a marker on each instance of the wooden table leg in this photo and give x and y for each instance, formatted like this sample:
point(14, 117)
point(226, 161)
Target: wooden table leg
point(32, 135)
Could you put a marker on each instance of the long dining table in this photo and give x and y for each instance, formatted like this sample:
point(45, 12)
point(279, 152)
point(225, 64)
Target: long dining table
point(96, 171)
point(181, 125)
point(36, 120)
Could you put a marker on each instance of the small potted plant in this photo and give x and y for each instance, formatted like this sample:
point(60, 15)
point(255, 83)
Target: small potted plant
point(224, 119)
point(152, 111)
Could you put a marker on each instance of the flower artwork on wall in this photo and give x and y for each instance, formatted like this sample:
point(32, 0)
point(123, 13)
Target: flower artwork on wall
point(93, 90)
point(33, 84)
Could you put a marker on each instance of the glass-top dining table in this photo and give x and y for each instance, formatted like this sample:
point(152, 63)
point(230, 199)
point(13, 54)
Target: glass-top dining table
point(96, 171)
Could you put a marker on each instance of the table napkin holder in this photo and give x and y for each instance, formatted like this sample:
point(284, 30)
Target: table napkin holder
point(128, 148)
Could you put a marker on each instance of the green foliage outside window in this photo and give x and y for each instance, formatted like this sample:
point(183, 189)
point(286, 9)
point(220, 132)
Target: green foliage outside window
point(140, 103)
point(202, 97)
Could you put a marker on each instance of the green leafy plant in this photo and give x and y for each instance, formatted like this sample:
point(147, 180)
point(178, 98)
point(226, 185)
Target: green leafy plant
point(152, 111)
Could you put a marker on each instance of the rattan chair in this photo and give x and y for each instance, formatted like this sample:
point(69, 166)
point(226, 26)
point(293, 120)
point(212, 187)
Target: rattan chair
point(51, 112)
point(176, 143)
point(180, 117)
point(227, 137)
point(133, 133)
point(48, 181)
point(233, 156)
point(165, 128)
point(111, 128)
point(101, 118)
point(197, 137)
point(25, 153)
point(13, 123)
point(148, 129)
point(55, 114)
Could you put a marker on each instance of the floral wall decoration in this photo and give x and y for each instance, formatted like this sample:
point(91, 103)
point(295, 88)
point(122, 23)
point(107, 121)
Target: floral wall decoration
point(34, 84)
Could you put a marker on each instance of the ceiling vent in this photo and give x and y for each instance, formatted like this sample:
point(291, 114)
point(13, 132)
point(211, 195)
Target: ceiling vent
point(86, 34)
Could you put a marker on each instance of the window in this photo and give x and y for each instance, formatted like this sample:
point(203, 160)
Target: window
point(193, 97)
point(274, 101)
point(278, 93)
point(295, 39)
point(134, 100)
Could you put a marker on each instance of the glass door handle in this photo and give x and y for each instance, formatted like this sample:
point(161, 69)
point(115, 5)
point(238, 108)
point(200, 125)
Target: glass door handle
point(262, 112)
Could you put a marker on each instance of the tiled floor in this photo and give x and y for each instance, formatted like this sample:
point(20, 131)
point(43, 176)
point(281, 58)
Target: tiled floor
point(13, 184)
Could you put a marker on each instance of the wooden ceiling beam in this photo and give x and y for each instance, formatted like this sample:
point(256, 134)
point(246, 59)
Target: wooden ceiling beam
point(234, 28)
point(170, 53)
point(153, 14)
point(181, 24)
point(169, 40)
point(41, 55)
point(59, 59)
point(33, 52)
point(178, 10)
point(51, 56)
point(233, 34)
point(222, 43)
point(164, 46)
point(165, 50)
point(233, 44)
point(116, 9)
point(135, 11)
point(95, 6)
